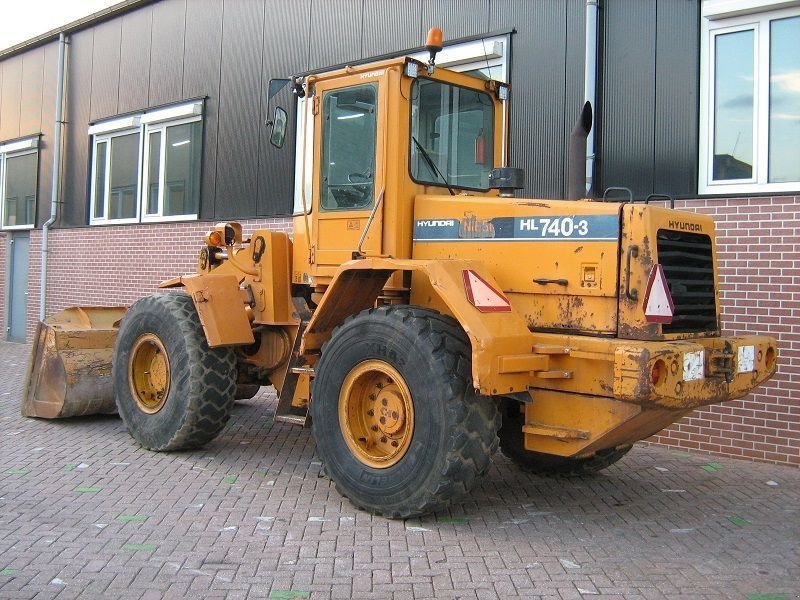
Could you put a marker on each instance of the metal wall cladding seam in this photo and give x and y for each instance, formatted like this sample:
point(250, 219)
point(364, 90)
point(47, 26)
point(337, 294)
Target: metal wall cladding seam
point(628, 100)
point(166, 52)
point(11, 89)
point(201, 78)
point(46, 104)
point(458, 19)
point(575, 33)
point(239, 109)
point(335, 32)
point(134, 66)
point(391, 26)
point(677, 97)
point(105, 69)
point(75, 196)
point(285, 52)
point(538, 91)
point(30, 118)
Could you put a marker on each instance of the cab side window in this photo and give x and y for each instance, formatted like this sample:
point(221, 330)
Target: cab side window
point(349, 130)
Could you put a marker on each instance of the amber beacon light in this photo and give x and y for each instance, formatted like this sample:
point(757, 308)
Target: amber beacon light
point(433, 44)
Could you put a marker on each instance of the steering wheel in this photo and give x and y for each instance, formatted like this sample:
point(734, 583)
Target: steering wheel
point(365, 177)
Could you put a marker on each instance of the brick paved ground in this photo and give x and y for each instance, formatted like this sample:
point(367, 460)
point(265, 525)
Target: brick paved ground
point(86, 513)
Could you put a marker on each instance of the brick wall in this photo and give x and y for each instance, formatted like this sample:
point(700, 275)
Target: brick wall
point(758, 244)
point(759, 258)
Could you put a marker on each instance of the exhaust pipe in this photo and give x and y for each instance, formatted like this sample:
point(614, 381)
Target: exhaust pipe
point(576, 160)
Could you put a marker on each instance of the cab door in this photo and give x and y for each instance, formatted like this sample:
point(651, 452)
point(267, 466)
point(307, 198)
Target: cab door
point(349, 175)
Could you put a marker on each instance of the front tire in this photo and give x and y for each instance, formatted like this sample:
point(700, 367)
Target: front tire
point(173, 392)
point(396, 420)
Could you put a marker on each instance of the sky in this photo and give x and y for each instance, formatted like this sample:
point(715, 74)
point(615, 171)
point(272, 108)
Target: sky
point(22, 20)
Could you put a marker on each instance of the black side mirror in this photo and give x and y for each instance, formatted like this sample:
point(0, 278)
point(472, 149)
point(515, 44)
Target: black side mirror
point(278, 128)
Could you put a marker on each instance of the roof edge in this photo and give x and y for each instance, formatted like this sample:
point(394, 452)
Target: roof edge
point(82, 23)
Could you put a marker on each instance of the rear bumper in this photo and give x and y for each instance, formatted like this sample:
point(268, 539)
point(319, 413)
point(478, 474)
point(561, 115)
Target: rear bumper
point(687, 374)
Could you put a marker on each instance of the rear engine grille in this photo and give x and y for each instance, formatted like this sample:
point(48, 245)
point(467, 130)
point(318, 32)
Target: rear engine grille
point(689, 267)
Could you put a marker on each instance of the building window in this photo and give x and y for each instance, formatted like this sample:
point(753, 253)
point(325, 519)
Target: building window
point(750, 98)
point(115, 180)
point(146, 167)
point(19, 166)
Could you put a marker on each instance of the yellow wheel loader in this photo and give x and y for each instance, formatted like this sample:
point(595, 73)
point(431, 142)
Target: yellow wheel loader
point(421, 314)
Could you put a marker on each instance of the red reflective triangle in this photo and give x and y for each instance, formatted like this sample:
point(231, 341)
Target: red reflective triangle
point(658, 306)
point(482, 295)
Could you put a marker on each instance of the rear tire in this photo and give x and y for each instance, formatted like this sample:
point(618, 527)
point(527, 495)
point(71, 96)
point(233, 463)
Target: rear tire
point(172, 391)
point(396, 420)
point(512, 445)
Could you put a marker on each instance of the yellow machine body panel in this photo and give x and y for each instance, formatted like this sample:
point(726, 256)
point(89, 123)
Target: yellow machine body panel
point(555, 260)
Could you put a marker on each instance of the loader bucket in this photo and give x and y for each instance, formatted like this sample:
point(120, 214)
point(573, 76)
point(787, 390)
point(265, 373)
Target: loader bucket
point(69, 372)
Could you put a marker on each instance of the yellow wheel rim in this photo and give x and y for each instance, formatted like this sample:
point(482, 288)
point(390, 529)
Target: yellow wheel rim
point(376, 414)
point(148, 373)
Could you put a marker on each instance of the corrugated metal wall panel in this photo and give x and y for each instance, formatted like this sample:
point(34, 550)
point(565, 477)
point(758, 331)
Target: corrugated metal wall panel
point(134, 68)
point(677, 97)
point(31, 94)
point(47, 124)
point(628, 101)
point(538, 89)
point(647, 134)
point(391, 26)
point(470, 17)
point(335, 32)
point(166, 53)
point(276, 166)
point(201, 76)
point(75, 196)
point(105, 69)
point(239, 109)
point(10, 90)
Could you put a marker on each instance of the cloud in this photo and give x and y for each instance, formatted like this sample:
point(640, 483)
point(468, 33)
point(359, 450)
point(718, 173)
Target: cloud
point(787, 82)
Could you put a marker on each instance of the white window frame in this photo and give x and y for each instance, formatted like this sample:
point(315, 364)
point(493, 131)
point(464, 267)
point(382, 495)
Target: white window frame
point(729, 16)
point(162, 166)
point(488, 52)
point(107, 137)
point(143, 124)
point(13, 150)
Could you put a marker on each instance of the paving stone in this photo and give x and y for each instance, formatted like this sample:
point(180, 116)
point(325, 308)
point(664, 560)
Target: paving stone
point(633, 531)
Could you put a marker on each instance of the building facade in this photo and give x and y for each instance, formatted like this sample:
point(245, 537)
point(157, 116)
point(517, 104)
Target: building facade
point(164, 104)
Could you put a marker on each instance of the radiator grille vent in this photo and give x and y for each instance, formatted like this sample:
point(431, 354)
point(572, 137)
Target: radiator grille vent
point(688, 264)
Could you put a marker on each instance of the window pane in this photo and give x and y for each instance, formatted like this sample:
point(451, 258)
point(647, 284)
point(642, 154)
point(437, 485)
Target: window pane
point(153, 170)
point(784, 100)
point(348, 148)
point(183, 158)
point(20, 196)
point(99, 180)
point(452, 135)
point(733, 105)
point(124, 176)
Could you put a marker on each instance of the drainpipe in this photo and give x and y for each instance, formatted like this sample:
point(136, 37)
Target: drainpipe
point(59, 126)
point(590, 82)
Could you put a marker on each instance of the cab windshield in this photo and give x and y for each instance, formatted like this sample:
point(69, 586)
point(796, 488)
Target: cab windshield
point(452, 135)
